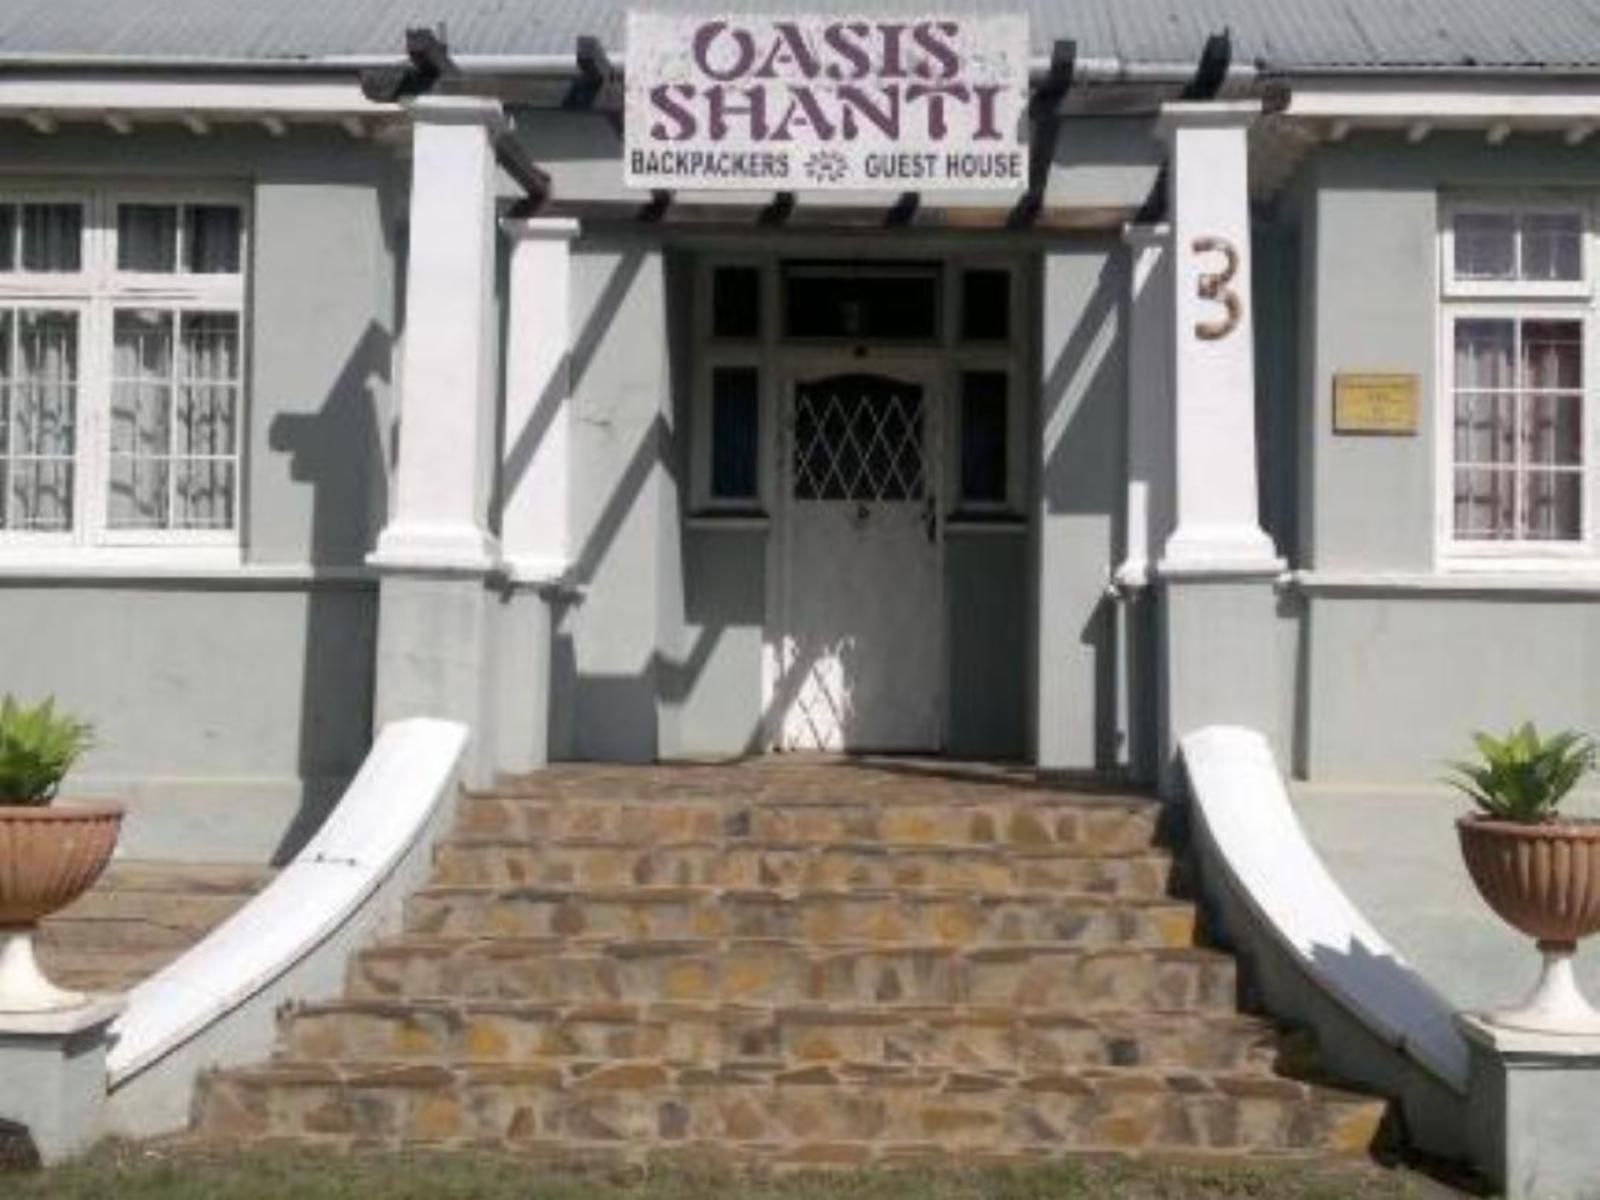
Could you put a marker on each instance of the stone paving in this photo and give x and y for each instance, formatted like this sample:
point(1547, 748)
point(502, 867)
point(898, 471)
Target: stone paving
point(796, 961)
point(138, 917)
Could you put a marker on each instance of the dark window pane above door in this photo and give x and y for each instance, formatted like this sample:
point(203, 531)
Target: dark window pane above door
point(735, 433)
point(985, 305)
point(848, 302)
point(984, 456)
point(736, 303)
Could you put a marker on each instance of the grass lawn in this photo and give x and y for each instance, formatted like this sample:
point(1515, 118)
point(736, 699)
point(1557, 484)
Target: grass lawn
point(140, 1173)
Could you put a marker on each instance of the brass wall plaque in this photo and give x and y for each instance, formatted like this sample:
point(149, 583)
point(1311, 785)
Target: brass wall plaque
point(1376, 403)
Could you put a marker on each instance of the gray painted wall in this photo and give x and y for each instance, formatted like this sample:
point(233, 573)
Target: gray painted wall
point(1374, 260)
point(713, 680)
point(990, 643)
point(226, 717)
point(1390, 680)
point(1397, 682)
point(624, 504)
point(229, 711)
point(1079, 456)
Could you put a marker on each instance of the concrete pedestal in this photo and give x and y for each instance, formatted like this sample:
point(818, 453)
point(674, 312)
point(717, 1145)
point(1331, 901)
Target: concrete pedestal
point(53, 1075)
point(1532, 1111)
point(1219, 657)
point(522, 660)
point(468, 647)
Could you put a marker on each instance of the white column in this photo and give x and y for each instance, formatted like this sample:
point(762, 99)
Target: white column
point(1148, 499)
point(1217, 519)
point(437, 516)
point(535, 531)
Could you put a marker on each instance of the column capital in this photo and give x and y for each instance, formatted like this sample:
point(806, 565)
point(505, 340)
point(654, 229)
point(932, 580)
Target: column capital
point(530, 229)
point(458, 110)
point(1178, 115)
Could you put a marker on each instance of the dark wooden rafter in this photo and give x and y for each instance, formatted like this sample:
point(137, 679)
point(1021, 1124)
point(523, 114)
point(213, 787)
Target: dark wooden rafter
point(782, 215)
point(779, 211)
point(429, 66)
point(1216, 57)
point(904, 210)
point(1212, 72)
point(1044, 119)
point(595, 73)
point(427, 62)
point(655, 209)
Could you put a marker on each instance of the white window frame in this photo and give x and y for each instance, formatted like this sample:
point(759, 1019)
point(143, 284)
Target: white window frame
point(97, 290)
point(1516, 206)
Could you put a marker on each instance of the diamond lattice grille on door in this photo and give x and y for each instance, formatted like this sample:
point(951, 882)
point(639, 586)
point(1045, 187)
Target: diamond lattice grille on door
point(858, 437)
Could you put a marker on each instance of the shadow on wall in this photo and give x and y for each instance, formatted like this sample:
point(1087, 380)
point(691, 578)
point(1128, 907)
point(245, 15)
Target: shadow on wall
point(1083, 421)
point(338, 451)
point(621, 714)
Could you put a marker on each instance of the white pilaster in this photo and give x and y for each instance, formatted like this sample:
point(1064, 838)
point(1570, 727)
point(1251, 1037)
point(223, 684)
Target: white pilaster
point(1218, 528)
point(438, 514)
point(1148, 498)
point(535, 531)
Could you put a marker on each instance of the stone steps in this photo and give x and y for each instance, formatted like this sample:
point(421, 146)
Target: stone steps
point(791, 962)
point(951, 1037)
point(508, 862)
point(548, 970)
point(822, 919)
point(1028, 822)
point(839, 1114)
point(138, 917)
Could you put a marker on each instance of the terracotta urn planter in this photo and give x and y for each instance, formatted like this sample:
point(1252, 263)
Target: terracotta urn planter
point(1542, 879)
point(49, 856)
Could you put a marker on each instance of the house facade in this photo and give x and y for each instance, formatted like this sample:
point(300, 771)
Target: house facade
point(351, 376)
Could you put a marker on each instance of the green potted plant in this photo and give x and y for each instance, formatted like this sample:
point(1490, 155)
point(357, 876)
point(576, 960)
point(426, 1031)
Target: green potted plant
point(1539, 870)
point(49, 855)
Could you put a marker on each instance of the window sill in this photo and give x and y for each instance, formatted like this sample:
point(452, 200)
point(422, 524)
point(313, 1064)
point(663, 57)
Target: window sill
point(167, 565)
point(1574, 579)
point(985, 521)
point(728, 520)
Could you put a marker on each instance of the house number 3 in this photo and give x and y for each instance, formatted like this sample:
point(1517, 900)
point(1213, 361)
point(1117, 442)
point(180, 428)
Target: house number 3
point(1213, 286)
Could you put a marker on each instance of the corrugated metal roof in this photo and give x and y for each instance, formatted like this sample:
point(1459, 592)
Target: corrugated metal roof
point(1276, 35)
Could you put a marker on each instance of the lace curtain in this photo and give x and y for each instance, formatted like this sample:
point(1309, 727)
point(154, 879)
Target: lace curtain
point(1519, 429)
point(39, 386)
point(174, 414)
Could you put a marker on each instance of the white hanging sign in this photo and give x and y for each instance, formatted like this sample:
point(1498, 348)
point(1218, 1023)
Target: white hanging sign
point(794, 103)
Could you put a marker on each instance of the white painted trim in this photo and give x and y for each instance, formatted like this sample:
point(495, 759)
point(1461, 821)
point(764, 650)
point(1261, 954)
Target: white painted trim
point(449, 359)
point(1517, 302)
point(536, 479)
point(94, 94)
point(1010, 526)
point(458, 110)
point(727, 522)
point(1216, 517)
point(1206, 114)
point(1462, 579)
point(1254, 837)
point(218, 1004)
point(1397, 102)
point(541, 228)
point(97, 291)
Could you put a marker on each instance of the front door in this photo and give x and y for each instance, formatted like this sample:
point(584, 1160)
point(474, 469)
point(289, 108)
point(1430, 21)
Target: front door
point(860, 657)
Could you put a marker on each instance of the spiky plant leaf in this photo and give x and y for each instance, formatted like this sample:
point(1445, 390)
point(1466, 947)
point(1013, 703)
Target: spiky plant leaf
point(37, 749)
point(1523, 777)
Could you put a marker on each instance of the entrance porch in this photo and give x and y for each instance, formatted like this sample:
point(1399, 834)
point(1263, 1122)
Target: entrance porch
point(982, 493)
